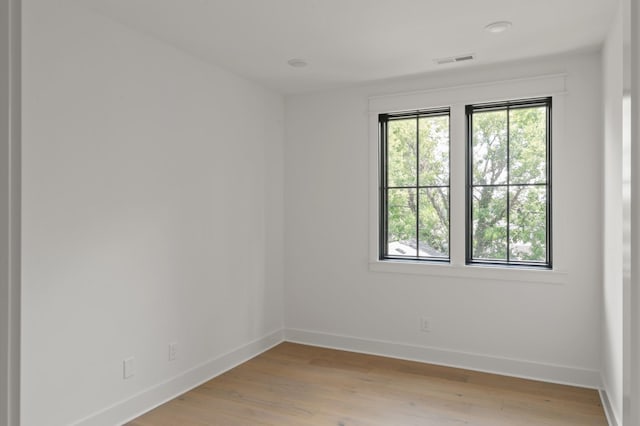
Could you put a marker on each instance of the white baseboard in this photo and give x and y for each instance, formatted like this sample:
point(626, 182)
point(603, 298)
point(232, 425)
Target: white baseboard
point(148, 399)
point(608, 409)
point(490, 364)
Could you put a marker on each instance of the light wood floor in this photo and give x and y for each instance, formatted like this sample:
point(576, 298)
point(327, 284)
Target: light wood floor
point(294, 384)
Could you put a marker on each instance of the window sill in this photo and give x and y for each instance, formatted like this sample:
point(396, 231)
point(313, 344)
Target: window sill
point(476, 272)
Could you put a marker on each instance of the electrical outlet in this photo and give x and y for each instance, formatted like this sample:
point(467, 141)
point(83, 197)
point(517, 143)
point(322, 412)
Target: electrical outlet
point(128, 368)
point(173, 351)
point(425, 325)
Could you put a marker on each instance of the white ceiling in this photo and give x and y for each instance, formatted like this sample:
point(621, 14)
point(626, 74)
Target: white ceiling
point(353, 41)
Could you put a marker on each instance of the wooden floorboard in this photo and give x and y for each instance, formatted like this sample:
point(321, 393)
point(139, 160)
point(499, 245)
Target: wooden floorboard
point(294, 384)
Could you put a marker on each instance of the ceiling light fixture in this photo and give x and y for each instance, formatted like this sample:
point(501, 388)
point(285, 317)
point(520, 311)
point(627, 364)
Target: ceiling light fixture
point(297, 63)
point(498, 27)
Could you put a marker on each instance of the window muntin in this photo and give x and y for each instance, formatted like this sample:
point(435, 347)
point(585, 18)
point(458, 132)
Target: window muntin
point(414, 185)
point(509, 183)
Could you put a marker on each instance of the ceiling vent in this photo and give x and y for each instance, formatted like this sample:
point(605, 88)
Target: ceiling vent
point(453, 59)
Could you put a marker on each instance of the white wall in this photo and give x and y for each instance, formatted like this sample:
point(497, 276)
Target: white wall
point(9, 211)
point(612, 332)
point(632, 399)
point(5, 203)
point(152, 213)
point(550, 331)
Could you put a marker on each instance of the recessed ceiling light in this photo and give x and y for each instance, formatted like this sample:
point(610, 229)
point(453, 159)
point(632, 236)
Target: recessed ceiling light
point(498, 27)
point(297, 63)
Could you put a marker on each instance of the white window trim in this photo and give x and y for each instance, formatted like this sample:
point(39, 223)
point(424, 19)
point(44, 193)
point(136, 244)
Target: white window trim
point(456, 98)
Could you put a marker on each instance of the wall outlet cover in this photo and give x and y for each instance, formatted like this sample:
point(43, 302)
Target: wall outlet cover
point(425, 325)
point(128, 368)
point(173, 351)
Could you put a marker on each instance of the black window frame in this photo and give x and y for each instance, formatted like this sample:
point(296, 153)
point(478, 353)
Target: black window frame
point(499, 106)
point(383, 120)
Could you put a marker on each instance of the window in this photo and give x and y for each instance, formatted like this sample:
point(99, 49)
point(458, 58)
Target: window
point(414, 187)
point(460, 181)
point(507, 193)
point(508, 183)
